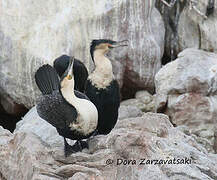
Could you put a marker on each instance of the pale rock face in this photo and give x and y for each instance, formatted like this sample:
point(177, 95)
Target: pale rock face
point(33, 33)
point(186, 92)
point(31, 122)
point(185, 28)
point(197, 32)
point(143, 101)
point(25, 155)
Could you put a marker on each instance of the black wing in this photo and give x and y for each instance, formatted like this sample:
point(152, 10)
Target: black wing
point(56, 111)
point(107, 102)
point(80, 75)
point(81, 95)
point(47, 79)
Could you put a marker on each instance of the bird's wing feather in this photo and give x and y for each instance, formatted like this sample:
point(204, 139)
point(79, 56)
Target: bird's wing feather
point(47, 79)
point(81, 95)
point(56, 111)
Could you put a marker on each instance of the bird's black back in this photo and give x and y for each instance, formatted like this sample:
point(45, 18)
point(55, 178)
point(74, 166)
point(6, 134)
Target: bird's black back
point(79, 70)
point(107, 102)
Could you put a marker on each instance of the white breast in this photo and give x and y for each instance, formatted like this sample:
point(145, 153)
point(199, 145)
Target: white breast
point(102, 75)
point(87, 119)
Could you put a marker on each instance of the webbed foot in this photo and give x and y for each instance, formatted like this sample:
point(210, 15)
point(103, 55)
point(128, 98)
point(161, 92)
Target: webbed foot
point(77, 147)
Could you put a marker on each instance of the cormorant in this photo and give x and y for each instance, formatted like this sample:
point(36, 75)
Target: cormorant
point(80, 71)
point(101, 87)
point(72, 114)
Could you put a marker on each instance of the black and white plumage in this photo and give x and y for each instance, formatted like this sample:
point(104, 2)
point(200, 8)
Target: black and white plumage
point(72, 114)
point(101, 87)
point(80, 71)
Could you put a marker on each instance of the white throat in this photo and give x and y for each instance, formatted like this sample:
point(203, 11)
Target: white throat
point(103, 74)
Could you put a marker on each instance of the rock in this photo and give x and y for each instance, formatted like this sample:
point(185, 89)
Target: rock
point(200, 33)
point(186, 92)
point(28, 40)
point(23, 156)
point(128, 111)
point(79, 176)
point(215, 141)
point(150, 137)
point(171, 20)
point(143, 100)
point(36, 125)
point(185, 28)
point(11, 107)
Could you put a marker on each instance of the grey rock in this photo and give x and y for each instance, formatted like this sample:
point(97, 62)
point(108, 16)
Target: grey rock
point(185, 28)
point(128, 111)
point(215, 141)
point(171, 18)
point(143, 100)
point(28, 40)
point(186, 92)
point(149, 137)
point(12, 108)
point(36, 125)
point(195, 31)
point(24, 156)
point(144, 96)
point(79, 176)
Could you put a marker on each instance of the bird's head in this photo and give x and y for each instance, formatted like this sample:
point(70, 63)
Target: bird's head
point(68, 76)
point(61, 63)
point(104, 45)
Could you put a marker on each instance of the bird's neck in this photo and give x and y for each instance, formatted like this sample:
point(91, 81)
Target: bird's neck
point(68, 92)
point(102, 74)
point(102, 64)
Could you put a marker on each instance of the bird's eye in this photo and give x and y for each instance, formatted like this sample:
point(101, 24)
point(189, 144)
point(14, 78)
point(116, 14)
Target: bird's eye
point(69, 77)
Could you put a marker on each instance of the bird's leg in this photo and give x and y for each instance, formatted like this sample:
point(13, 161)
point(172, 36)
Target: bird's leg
point(77, 147)
point(84, 144)
point(171, 4)
point(80, 145)
point(193, 6)
point(68, 150)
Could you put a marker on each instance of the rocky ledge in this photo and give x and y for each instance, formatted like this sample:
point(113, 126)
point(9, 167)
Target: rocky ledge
point(143, 146)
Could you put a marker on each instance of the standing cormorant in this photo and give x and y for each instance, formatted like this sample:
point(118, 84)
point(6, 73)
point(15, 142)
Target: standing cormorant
point(73, 117)
point(101, 87)
point(80, 71)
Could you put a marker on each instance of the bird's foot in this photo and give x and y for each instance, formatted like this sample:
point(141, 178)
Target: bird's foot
point(68, 150)
point(81, 145)
point(77, 147)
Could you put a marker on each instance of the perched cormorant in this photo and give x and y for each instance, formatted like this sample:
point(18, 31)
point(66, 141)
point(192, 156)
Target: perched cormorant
point(72, 114)
point(101, 87)
point(80, 71)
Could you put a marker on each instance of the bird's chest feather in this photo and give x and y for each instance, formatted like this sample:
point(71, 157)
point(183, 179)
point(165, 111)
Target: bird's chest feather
point(87, 117)
point(101, 80)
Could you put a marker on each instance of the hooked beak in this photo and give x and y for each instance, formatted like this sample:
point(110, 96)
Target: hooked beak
point(119, 44)
point(70, 68)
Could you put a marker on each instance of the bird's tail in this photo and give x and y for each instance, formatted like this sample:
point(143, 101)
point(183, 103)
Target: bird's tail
point(47, 79)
